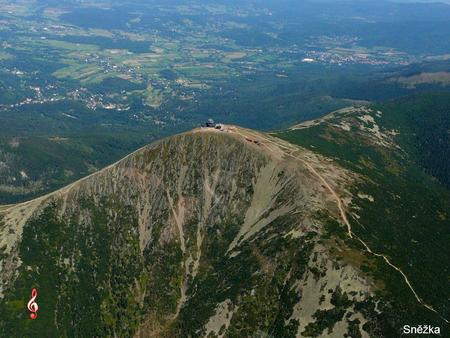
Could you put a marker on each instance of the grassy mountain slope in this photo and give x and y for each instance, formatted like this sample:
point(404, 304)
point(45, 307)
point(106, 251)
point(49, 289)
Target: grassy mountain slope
point(400, 210)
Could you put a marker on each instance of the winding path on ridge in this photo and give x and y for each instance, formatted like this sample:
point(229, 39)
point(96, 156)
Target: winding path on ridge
point(289, 150)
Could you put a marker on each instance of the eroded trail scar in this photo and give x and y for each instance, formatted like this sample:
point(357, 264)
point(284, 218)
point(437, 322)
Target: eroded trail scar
point(289, 151)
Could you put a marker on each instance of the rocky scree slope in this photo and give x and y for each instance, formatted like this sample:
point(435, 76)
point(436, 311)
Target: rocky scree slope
point(204, 234)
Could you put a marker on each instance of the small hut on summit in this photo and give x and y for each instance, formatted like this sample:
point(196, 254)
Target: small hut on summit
point(210, 123)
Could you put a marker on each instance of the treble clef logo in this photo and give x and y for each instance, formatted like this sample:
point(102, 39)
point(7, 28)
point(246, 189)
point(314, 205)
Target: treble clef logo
point(32, 305)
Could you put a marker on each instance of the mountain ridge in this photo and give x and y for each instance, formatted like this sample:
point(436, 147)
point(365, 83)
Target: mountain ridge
point(272, 186)
point(399, 209)
point(206, 233)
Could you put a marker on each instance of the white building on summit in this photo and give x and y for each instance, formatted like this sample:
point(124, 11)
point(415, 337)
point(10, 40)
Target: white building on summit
point(210, 123)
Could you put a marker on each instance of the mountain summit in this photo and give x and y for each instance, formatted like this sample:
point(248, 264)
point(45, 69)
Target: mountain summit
point(209, 233)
